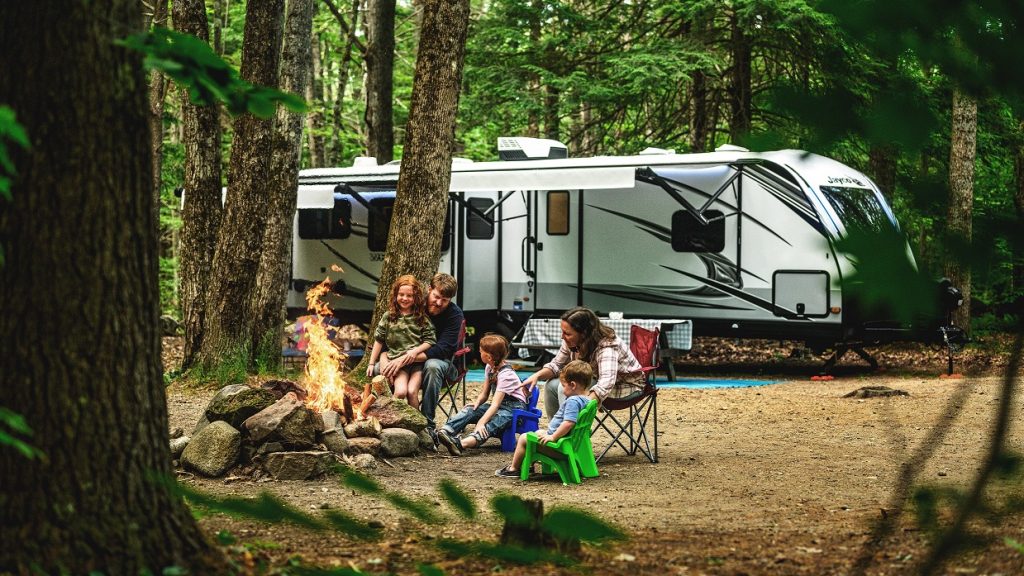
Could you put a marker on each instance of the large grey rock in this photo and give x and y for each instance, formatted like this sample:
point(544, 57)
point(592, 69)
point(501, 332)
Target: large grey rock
point(297, 465)
point(335, 441)
point(287, 421)
point(213, 450)
point(364, 462)
point(427, 441)
point(369, 446)
point(398, 442)
point(398, 414)
point(237, 402)
point(178, 445)
point(331, 420)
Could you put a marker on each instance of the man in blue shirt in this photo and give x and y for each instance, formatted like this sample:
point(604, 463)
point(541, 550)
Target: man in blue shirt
point(447, 318)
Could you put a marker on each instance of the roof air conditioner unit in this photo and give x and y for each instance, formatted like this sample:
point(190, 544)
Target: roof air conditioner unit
point(522, 148)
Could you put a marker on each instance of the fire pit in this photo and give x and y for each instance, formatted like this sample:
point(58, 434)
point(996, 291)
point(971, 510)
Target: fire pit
point(296, 430)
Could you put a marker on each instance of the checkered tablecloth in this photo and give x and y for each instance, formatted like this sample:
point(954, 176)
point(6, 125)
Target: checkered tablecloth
point(547, 332)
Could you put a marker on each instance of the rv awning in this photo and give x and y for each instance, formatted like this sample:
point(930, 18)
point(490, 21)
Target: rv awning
point(588, 178)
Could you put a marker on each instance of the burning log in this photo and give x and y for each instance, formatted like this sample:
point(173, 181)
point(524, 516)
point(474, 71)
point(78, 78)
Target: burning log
point(364, 428)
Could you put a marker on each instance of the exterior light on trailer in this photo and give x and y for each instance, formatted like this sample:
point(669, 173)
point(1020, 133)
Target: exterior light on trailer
point(835, 309)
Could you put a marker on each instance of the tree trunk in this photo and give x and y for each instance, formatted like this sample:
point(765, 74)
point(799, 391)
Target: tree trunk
point(220, 21)
point(268, 303)
point(81, 248)
point(414, 241)
point(961, 194)
point(551, 120)
point(699, 113)
point(343, 73)
point(882, 166)
point(740, 47)
point(1018, 204)
point(380, 66)
point(157, 91)
point(314, 91)
point(202, 212)
point(240, 241)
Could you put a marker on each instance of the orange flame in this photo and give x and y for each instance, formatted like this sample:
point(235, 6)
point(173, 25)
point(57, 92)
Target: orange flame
point(325, 384)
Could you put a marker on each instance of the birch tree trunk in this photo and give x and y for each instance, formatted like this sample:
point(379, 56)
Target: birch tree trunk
point(962, 149)
point(414, 241)
point(380, 67)
point(228, 329)
point(268, 303)
point(80, 240)
point(202, 211)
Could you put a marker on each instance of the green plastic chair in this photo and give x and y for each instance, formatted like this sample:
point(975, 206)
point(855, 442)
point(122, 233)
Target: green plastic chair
point(576, 452)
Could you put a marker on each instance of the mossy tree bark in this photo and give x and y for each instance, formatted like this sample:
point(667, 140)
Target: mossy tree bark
point(79, 304)
point(202, 212)
point(414, 240)
point(228, 329)
point(271, 290)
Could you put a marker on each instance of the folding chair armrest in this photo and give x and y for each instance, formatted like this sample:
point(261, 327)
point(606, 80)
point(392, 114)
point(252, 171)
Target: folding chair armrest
point(462, 351)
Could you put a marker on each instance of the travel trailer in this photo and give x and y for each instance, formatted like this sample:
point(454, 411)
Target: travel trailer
point(742, 243)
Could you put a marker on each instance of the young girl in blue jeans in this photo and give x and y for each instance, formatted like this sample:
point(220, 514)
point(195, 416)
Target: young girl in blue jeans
point(491, 417)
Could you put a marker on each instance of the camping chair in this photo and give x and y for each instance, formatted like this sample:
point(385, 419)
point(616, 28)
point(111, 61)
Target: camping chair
point(576, 453)
point(446, 395)
point(522, 421)
point(629, 430)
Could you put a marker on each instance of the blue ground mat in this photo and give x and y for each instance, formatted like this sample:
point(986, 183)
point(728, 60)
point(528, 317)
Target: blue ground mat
point(477, 375)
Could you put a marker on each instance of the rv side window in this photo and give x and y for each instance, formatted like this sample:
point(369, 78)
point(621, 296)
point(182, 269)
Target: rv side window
point(380, 222)
point(689, 235)
point(478, 228)
point(326, 223)
point(558, 213)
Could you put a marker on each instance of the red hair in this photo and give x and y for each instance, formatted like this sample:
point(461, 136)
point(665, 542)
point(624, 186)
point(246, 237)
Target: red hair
point(419, 302)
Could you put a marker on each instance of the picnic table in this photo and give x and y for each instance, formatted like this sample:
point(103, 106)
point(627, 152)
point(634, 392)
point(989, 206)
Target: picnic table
point(676, 335)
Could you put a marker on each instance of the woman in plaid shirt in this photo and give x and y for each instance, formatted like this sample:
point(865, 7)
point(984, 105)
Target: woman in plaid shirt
point(585, 338)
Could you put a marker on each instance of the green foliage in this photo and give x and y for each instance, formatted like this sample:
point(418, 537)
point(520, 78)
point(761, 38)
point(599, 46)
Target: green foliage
point(886, 276)
point(1014, 544)
point(192, 64)
point(13, 425)
point(232, 368)
point(504, 552)
point(458, 498)
point(10, 131)
point(573, 524)
point(429, 570)
point(419, 509)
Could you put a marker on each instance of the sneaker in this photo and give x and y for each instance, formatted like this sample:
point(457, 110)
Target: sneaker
point(454, 446)
point(433, 436)
point(506, 472)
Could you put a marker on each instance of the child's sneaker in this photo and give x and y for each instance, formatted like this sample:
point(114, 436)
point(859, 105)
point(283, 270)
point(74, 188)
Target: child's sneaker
point(506, 472)
point(454, 446)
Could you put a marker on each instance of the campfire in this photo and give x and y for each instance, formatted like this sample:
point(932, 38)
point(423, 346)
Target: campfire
point(296, 430)
point(324, 382)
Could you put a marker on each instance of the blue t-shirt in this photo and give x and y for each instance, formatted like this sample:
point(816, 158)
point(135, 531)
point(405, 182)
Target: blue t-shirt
point(569, 411)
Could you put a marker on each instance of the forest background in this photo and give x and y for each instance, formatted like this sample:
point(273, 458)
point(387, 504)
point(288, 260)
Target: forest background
point(617, 77)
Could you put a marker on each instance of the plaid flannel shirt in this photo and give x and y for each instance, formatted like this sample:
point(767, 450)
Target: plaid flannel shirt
point(618, 371)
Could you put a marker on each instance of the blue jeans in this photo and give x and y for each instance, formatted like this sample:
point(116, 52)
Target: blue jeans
point(496, 425)
point(435, 373)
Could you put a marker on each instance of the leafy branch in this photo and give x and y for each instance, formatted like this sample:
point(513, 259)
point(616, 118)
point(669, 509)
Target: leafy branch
point(192, 64)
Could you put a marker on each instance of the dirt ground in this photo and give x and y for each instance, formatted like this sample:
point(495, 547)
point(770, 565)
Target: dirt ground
point(788, 478)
